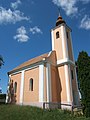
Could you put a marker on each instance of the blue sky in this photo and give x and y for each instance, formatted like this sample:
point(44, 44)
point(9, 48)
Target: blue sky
point(25, 29)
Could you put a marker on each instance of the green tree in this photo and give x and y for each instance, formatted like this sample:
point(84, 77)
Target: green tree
point(83, 63)
point(1, 61)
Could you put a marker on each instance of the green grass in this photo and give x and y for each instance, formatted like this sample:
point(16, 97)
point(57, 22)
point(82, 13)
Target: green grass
point(15, 112)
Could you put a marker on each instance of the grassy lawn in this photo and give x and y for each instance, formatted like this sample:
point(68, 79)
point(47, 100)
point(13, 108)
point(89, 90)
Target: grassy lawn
point(14, 112)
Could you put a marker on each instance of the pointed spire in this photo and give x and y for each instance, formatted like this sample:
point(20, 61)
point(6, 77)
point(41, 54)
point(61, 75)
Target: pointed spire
point(59, 11)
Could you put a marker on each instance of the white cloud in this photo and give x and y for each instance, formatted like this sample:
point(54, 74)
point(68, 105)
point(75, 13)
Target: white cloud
point(85, 23)
point(9, 16)
point(67, 5)
point(35, 30)
point(21, 35)
point(15, 4)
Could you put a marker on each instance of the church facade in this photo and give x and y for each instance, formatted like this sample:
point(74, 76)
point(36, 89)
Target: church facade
point(48, 80)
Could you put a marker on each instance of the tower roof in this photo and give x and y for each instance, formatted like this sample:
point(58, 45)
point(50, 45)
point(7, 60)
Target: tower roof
point(59, 20)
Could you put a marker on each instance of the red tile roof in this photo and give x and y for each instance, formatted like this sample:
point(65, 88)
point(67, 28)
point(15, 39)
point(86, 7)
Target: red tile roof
point(29, 62)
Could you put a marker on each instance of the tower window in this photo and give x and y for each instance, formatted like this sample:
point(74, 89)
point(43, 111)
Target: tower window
point(67, 35)
point(72, 76)
point(15, 87)
point(31, 84)
point(57, 34)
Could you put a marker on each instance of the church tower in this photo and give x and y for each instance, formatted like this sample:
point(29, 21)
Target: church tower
point(62, 44)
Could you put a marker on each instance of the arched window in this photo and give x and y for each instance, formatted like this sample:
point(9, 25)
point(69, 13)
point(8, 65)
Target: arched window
point(57, 34)
point(67, 35)
point(72, 76)
point(31, 84)
point(15, 87)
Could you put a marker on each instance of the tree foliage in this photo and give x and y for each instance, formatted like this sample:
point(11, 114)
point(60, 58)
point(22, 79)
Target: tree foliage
point(1, 61)
point(83, 64)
